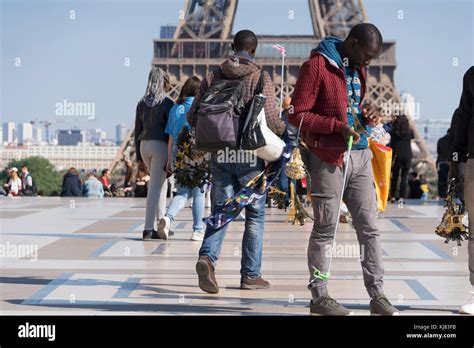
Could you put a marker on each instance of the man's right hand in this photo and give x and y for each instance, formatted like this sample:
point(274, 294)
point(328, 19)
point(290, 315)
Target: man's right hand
point(453, 170)
point(347, 131)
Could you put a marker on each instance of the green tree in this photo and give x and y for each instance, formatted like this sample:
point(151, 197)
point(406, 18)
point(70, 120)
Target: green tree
point(47, 179)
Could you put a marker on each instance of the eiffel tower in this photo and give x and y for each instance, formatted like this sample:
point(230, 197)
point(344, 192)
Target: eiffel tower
point(203, 38)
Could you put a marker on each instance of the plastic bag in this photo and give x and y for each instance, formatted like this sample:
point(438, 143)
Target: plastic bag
point(382, 167)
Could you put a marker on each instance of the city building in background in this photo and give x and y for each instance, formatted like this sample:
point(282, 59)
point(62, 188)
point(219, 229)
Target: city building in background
point(25, 133)
point(8, 133)
point(38, 135)
point(167, 31)
point(95, 136)
point(432, 130)
point(70, 137)
point(83, 156)
point(120, 133)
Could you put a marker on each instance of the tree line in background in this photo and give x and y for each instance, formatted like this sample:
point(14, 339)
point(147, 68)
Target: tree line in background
point(48, 180)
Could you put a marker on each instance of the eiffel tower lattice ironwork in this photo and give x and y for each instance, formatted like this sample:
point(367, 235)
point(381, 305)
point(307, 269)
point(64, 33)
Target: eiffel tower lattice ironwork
point(203, 38)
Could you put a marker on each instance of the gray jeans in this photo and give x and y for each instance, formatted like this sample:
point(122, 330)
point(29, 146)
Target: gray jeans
point(359, 196)
point(469, 199)
point(155, 156)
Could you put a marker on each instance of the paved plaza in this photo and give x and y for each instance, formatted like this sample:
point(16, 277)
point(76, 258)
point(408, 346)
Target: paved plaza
point(86, 256)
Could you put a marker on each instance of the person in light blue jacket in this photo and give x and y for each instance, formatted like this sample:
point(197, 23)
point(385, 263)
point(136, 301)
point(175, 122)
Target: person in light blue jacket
point(176, 122)
point(93, 187)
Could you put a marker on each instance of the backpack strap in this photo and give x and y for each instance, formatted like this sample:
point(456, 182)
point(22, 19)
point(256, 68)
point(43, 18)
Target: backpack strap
point(259, 88)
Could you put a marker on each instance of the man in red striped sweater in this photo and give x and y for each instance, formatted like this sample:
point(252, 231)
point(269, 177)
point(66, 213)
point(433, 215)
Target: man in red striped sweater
point(327, 104)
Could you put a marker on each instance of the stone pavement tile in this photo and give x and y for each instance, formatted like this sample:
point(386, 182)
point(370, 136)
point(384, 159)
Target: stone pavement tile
point(128, 248)
point(416, 251)
point(449, 290)
point(70, 249)
point(110, 226)
point(86, 288)
point(44, 206)
point(17, 213)
point(135, 213)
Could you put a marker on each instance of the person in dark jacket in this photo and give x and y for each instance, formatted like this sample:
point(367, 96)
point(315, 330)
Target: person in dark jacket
point(442, 163)
point(400, 143)
point(461, 164)
point(151, 146)
point(463, 148)
point(72, 184)
point(414, 184)
point(27, 182)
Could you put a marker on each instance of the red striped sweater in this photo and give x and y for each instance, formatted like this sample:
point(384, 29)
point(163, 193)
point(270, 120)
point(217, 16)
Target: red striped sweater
point(320, 98)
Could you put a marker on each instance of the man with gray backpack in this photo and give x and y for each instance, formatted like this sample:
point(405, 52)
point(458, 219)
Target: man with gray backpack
point(218, 114)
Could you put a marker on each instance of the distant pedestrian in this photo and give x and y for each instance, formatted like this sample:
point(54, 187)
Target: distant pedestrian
point(415, 186)
point(14, 183)
point(424, 187)
point(72, 184)
point(105, 180)
point(141, 183)
point(402, 155)
point(27, 182)
point(93, 187)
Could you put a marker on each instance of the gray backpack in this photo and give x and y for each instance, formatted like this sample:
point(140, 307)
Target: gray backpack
point(220, 115)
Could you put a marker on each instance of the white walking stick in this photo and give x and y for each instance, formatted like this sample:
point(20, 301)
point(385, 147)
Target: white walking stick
point(282, 50)
point(325, 275)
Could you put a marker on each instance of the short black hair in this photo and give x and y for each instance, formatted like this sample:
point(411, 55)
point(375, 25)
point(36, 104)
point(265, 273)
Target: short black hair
point(367, 34)
point(105, 171)
point(245, 40)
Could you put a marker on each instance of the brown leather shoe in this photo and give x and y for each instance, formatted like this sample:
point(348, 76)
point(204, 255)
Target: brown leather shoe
point(207, 278)
point(248, 283)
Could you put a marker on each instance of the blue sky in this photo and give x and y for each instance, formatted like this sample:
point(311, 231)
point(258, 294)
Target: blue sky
point(82, 59)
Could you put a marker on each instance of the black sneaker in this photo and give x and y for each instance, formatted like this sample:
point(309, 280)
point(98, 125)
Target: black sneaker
point(326, 305)
point(207, 278)
point(380, 305)
point(148, 234)
point(152, 234)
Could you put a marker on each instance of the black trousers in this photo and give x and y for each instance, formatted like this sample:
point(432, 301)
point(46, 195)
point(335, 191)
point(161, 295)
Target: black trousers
point(443, 169)
point(401, 164)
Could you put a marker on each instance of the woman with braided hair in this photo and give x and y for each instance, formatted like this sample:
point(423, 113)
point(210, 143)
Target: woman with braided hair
point(151, 142)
